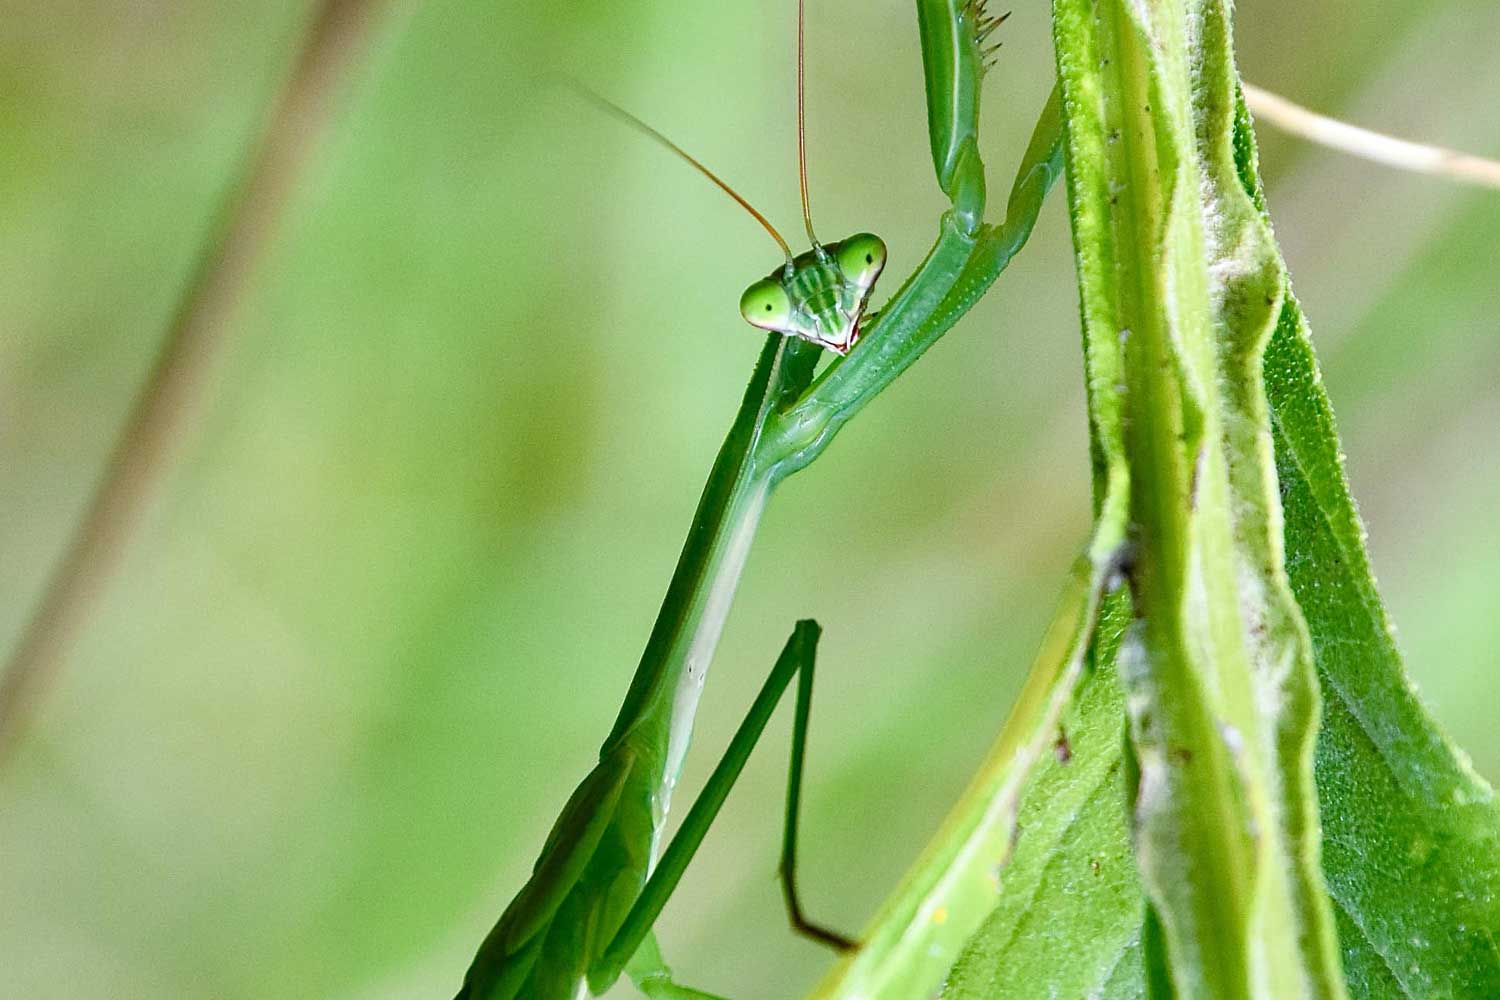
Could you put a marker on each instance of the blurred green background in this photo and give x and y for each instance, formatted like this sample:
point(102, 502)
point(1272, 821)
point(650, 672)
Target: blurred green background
point(394, 588)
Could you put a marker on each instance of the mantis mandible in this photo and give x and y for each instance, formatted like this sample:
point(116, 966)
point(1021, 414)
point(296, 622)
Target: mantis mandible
point(585, 915)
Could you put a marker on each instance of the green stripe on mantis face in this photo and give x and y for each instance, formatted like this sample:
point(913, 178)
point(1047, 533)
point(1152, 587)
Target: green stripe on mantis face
point(821, 295)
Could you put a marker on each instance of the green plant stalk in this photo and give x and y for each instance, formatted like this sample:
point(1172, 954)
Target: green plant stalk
point(1411, 847)
point(1181, 285)
point(1421, 921)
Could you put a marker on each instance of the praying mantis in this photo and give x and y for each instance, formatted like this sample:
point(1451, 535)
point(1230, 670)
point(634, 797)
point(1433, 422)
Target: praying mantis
point(585, 916)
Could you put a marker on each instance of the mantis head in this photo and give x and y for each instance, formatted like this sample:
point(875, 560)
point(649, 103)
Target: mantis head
point(821, 295)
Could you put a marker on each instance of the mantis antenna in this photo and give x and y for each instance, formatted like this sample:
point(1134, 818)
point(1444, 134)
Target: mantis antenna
point(614, 110)
point(802, 129)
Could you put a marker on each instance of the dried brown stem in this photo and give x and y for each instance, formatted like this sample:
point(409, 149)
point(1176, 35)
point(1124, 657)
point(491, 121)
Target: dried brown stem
point(1377, 147)
point(172, 393)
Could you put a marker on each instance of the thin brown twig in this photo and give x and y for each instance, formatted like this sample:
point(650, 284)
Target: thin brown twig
point(172, 393)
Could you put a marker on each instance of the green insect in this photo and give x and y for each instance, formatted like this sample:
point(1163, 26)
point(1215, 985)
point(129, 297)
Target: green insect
point(585, 916)
point(821, 295)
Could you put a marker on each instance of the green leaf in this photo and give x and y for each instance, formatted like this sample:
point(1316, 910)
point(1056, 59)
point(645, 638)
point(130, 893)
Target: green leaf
point(1073, 847)
point(1411, 836)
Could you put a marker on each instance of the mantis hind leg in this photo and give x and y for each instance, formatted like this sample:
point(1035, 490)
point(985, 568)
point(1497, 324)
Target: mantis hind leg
point(633, 948)
point(788, 869)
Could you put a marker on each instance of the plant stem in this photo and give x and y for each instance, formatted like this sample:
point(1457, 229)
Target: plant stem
point(1181, 285)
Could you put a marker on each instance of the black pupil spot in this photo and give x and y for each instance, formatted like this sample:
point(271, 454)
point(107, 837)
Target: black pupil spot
point(768, 307)
point(869, 258)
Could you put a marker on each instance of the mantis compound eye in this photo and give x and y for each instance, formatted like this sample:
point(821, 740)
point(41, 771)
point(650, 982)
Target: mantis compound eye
point(861, 257)
point(765, 304)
